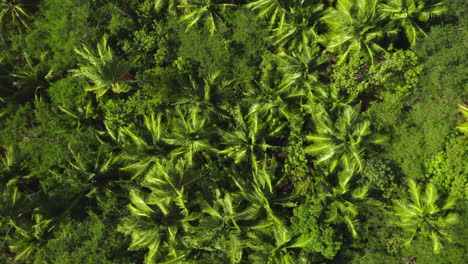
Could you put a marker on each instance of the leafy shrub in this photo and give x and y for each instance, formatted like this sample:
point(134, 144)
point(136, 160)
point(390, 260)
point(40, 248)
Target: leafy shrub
point(149, 45)
point(398, 73)
point(386, 111)
point(59, 27)
point(296, 166)
point(68, 92)
point(326, 240)
point(421, 134)
point(378, 174)
point(447, 169)
point(89, 241)
point(211, 53)
point(352, 76)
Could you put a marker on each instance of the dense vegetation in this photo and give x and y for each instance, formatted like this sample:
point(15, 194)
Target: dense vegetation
point(233, 131)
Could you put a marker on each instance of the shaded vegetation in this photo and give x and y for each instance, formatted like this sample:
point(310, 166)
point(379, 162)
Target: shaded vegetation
point(256, 131)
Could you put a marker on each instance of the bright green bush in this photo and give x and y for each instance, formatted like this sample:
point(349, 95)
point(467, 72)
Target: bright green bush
point(325, 238)
point(378, 174)
point(68, 92)
point(87, 241)
point(447, 169)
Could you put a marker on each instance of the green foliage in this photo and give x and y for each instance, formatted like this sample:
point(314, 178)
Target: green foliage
point(380, 241)
point(247, 45)
point(86, 241)
point(445, 66)
point(68, 93)
point(425, 214)
point(447, 169)
point(421, 135)
point(325, 239)
point(103, 69)
point(378, 174)
point(120, 24)
point(16, 124)
point(236, 132)
point(296, 165)
point(210, 53)
point(58, 28)
point(150, 45)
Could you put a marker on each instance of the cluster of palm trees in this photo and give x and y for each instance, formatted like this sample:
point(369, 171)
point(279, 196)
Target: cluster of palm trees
point(204, 178)
point(344, 27)
point(181, 210)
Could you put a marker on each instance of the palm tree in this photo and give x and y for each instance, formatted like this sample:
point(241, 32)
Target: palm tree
point(29, 238)
point(13, 13)
point(8, 160)
point(269, 102)
point(104, 70)
point(300, 67)
point(341, 203)
point(425, 213)
point(298, 26)
point(409, 15)
point(95, 178)
point(11, 170)
point(78, 115)
point(341, 140)
point(246, 141)
point(219, 228)
point(203, 95)
point(160, 220)
point(141, 154)
point(263, 195)
point(273, 10)
point(328, 97)
point(190, 134)
point(276, 245)
point(13, 206)
point(211, 11)
point(354, 28)
point(28, 78)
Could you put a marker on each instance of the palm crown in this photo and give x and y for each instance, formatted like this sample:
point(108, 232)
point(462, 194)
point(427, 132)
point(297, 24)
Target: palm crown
point(408, 14)
point(425, 213)
point(341, 141)
point(104, 70)
point(354, 29)
point(209, 11)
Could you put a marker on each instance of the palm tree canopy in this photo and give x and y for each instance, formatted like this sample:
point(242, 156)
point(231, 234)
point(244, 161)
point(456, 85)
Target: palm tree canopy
point(103, 69)
point(354, 28)
point(425, 213)
point(341, 141)
point(209, 11)
point(408, 14)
